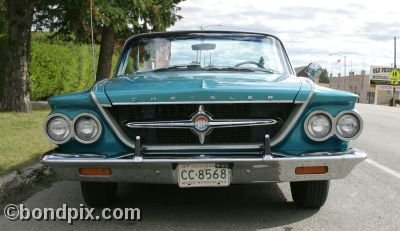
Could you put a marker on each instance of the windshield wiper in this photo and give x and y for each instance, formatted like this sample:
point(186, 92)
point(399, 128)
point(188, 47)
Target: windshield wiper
point(244, 69)
point(189, 67)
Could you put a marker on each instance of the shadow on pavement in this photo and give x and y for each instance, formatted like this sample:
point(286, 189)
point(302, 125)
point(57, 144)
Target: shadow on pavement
point(168, 207)
point(236, 207)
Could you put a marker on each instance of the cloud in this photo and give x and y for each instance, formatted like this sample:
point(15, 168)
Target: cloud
point(310, 30)
point(380, 31)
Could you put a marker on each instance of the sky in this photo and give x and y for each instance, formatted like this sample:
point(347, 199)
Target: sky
point(324, 32)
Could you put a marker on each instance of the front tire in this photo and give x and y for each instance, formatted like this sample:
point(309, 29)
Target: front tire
point(309, 194)
point(99, 194)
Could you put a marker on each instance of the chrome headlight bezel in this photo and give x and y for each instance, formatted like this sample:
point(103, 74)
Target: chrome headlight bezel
point(360, 121)
point(95, 137)
point(330, 119)
point(67, 120)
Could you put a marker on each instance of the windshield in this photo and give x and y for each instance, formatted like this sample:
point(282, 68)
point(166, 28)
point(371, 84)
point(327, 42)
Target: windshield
point(205, 52)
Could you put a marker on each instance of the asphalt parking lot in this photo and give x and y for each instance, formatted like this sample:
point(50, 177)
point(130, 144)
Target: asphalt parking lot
point(368, 199)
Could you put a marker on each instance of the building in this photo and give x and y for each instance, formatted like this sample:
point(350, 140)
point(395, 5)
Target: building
point(358, 84)
point(369, 90)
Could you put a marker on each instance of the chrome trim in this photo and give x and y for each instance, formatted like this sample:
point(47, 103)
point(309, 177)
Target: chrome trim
point(244, 170)
point(287, 126)
point(138, 147)
point(241, 122)
point(298, 102)
point(267, 146)
point(293, 118)
point(353, 112)
point(105, 105)
point(114, 126)
point(204, 102)
point(330, 117)
point(71, 129)
point(161, 124)
point(201, 153)
point(211, 124)
point(100, 128)
point(96, 86)
point(201, 147)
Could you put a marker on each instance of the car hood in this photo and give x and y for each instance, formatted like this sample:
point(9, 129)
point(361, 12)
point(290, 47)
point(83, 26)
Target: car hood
point(195, 87)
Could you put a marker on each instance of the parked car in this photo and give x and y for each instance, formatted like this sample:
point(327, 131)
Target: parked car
point(204, 109)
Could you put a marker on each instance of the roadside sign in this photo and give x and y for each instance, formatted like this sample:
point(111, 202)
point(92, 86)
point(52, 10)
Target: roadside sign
point(394, 76)
point(380, 73)
point(384, 87)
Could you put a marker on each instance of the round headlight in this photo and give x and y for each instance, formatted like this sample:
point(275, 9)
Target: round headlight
point(318, 126)
point(58, 129)
point(348, 126)
point(87, 128)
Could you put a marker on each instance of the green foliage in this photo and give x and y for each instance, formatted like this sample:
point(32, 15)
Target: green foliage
point(3, 19)
point(70, 19)
point(324, 78)
point(391, 101)
point(59, 68)
point(3, 47)
point(3, 43)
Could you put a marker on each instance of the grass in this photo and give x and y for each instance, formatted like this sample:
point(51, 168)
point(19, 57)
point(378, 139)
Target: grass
point(22, 141)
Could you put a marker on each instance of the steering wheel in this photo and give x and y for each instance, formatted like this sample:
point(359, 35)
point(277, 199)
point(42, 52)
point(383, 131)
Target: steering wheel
point(249, 62)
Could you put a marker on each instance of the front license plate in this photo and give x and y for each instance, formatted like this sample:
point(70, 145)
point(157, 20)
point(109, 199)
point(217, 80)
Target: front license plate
point(203, 175)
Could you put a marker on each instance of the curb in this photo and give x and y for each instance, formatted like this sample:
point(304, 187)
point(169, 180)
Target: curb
point(12, 183)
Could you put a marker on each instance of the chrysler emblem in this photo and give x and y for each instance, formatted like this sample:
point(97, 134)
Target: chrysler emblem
point(201, 123)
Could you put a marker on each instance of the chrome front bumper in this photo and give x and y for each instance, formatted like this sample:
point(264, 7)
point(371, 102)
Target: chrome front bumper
point(244, 170)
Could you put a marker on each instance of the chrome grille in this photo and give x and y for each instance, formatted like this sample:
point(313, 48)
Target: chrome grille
point(233, 135)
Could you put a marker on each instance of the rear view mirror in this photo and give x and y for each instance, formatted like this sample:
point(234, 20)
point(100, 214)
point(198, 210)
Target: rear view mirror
point(203, 46)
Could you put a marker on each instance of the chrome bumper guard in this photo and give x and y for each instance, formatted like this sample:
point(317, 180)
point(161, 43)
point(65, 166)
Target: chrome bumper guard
point(271, 167)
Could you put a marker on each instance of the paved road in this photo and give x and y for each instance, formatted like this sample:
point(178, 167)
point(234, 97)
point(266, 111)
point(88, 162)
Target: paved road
point(368, 199)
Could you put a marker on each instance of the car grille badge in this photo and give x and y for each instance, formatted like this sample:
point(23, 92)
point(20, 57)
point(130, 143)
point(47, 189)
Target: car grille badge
point(201, 124)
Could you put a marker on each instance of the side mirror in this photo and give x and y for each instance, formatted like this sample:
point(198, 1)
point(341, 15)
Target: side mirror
point(313, 70)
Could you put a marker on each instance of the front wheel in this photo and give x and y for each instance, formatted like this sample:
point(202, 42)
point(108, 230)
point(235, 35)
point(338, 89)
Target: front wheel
point(99, 194)
point(309, 194)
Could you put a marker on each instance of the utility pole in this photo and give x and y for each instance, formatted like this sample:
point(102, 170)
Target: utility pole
point(394, 67)
point(345, 74)
point(395, 52)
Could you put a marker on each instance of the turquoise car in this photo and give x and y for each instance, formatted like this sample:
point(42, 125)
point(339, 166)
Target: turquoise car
point(204, 109)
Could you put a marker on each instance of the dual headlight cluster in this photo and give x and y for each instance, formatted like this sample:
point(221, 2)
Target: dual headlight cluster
point(85, 128)
point(320, 125)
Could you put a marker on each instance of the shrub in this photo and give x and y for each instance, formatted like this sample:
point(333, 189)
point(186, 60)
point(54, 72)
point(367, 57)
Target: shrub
point(58, 69)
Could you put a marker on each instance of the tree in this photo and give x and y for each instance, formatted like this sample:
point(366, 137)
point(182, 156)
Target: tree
point(114, 20)
point(3, 31)
point(16, 91)
point(3, 20)
point(324, 78)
